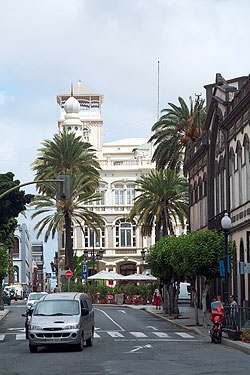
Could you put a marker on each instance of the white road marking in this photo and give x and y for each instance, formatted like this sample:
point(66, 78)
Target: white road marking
point(136, 348)
point(138, 334)
point(114, 334)
point(161, 334)
point(122, 311)
point(96, 336)
point(96, 329)
point(21, 336)
point(155, 329)
point(118, 325)
point(184, 335)
point(2, 337)
point(17, 329)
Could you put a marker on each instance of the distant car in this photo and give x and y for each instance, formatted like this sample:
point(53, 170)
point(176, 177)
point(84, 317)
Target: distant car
point(34, 298)
point(185, 295)
point(11, 292)
point(6, 297)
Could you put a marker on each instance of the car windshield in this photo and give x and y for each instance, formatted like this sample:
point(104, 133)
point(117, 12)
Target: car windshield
point(35, 297)
point(57, 307)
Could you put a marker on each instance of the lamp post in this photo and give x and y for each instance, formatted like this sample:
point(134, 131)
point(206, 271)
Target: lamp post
point(93, 257)
point(226, 225)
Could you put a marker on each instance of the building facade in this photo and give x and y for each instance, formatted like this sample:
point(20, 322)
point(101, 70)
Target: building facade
point(21, 257)
point(218, 170)
point(38, 263)
point(122, 163)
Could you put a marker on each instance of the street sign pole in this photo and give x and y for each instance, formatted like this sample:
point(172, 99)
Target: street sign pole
point(68, 284)
point(85, 274)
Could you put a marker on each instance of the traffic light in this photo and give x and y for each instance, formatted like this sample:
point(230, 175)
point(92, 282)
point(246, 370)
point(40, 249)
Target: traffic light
point(54, 267)
point(63, 187)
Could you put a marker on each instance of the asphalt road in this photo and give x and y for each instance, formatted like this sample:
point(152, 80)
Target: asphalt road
point(127, 341)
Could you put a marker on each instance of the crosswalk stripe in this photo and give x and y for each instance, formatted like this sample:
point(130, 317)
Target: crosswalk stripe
point(2, 337)
point(96, 336)
point(114, 334)
point(184, 335)
point(20, 336)
point(138, 334)
point(161, 334)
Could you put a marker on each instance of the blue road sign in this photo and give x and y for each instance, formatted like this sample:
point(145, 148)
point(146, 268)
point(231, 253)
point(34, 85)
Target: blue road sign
point(222, 267)
point(84, 271)
point(48, 275)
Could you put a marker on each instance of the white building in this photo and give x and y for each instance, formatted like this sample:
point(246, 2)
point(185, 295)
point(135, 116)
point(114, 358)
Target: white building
point(122, 163)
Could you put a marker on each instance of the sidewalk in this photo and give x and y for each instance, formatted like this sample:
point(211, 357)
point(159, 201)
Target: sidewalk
point(186, 321)
point(3, 313)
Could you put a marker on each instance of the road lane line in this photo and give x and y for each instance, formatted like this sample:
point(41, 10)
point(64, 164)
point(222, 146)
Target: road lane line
point(161, 340)
point(114, 334)
point(2, 337)
point(138, 334)
point(184, 335)
point(161, 334)
point(20, 336)
point(112, 320)
point(96, 336)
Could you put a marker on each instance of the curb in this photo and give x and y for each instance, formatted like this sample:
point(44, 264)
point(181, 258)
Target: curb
point(194, 330)
point(3, 314)
point(242, 346)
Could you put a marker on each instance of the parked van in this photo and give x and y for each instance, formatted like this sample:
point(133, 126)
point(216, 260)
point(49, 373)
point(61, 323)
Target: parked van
point(19, 291)
point(185, 294)
point(62, 318)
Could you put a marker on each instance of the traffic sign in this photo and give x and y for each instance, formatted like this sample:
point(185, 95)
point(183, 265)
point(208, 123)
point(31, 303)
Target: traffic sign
point(48, 275)
point(84, 271)
point(247, 267)
point(68, 274)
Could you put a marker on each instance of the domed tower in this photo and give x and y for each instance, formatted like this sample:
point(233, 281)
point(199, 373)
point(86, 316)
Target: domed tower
point(81, 113)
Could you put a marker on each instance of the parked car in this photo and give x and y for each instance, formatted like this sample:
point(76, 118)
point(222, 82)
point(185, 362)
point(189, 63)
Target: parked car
point(6, 297)
point(185, 294)
point(11, 291)
point(34, 298)
point(62, 318)
point(27, 317)
point(19, 291)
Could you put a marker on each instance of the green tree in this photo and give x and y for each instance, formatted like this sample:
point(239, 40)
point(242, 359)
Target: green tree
point(66, 154)
point(163, 200)
point(10, 207)
point(176, 131)
point(60, 214)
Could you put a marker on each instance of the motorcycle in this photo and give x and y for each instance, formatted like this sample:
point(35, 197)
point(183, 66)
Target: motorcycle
point(216, 317)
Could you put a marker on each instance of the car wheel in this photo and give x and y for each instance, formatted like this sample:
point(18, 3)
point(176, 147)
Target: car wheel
point(79, 347)
point(89, 342)
point(33, 348)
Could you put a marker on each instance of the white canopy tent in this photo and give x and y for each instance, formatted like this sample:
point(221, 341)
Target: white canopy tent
point(107, 275)
point(139, 277)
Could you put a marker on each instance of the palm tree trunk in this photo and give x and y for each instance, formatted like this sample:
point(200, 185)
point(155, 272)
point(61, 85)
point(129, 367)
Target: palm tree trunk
point(69, 259)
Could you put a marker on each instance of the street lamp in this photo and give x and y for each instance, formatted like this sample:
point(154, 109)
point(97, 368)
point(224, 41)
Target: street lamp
point(226, 225)
point(93, 257)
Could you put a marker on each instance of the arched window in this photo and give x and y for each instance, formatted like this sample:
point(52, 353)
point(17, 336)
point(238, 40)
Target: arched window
point(222, 184)
point(91, 239)
point(85, 135)
point(196, 205)
point(205, 197)
point(102, 190)
point(200, 201)
point(217, 189)
point(246, 156)
point(125, 233)
point(232, 174)
point(239, 167)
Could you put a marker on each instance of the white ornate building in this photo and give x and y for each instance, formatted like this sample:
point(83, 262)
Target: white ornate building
point(122, 163)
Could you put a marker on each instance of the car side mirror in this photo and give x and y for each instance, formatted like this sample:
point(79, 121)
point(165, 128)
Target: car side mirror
point(84, 312)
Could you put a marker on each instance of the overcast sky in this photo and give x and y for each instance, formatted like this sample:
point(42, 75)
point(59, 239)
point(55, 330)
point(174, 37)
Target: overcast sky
point(113, 47)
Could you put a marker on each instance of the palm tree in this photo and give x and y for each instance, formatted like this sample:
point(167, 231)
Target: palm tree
point(60, 214)
point(177, 129)
point(163, 200)
point(66, 154)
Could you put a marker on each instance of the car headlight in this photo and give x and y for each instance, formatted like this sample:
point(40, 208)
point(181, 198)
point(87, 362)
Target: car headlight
point(73, 326)
point(35, 327)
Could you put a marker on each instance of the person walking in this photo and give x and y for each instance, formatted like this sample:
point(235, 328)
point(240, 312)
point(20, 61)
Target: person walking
point(157, 298)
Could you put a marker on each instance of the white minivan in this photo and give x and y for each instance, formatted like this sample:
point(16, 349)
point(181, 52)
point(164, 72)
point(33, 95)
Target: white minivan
point(185, 294)
point(62, 318)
